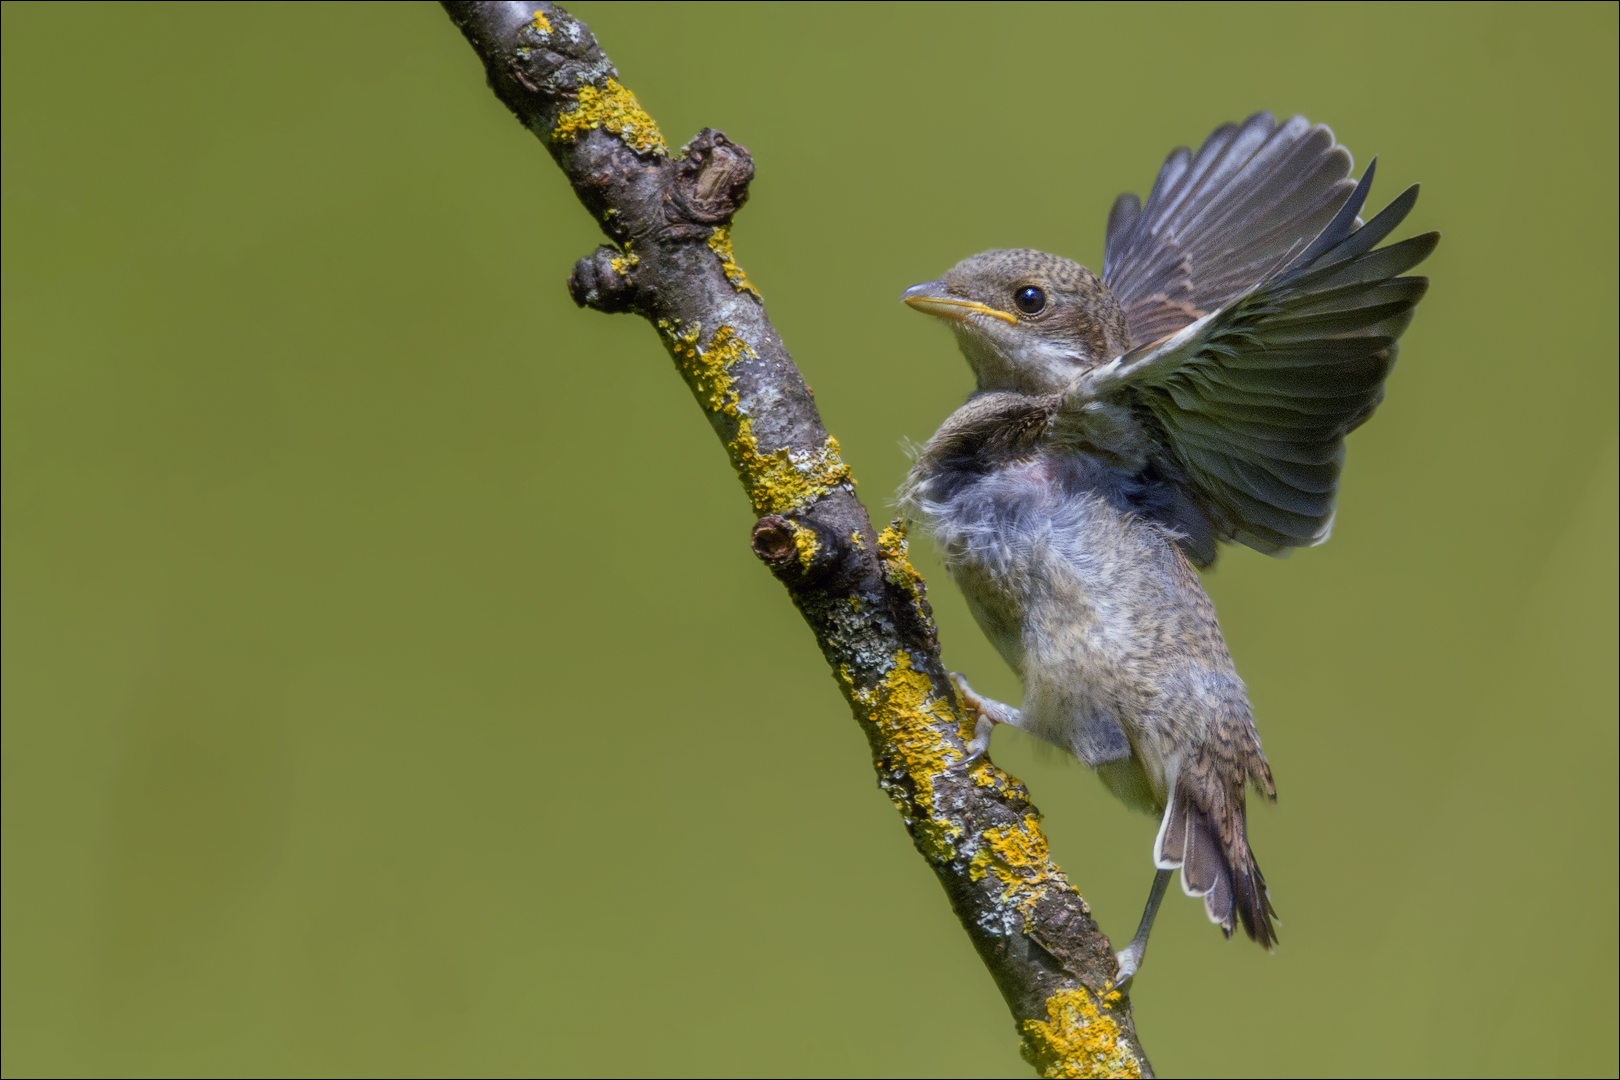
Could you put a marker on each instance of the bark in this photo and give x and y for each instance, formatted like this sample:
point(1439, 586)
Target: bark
point(670, 260)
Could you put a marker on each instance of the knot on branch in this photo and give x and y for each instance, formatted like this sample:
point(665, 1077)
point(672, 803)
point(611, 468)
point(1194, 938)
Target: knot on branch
point(603, 280)
point(535, 55)
point(797, 552)
point(551, 56)
point(711, 181)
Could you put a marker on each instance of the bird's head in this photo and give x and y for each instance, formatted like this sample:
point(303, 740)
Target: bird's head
point(1026, 321)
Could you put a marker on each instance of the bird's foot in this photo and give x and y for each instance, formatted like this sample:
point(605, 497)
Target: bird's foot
point(1129, 960)
point(987, 714)
point(1130, 957)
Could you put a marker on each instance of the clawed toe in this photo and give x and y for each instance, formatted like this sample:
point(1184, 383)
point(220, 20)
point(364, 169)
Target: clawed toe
point(983, 725)
point(980, 744)
point(986, 713)
point(1129, 960)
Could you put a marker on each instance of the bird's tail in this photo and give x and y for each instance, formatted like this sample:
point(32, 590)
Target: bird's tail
point(1205, 835)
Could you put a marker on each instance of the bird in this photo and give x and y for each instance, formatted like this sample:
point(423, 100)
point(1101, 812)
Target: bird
point(1122, 428)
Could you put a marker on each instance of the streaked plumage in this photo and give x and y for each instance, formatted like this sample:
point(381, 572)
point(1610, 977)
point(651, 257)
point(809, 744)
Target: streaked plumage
point(1199, 392)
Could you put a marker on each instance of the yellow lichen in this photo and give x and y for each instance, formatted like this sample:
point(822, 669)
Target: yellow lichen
point(622, 263)
point(708, 371)
point(1077, 1039)
point(1018, 857)
point(615, 109)
point(987, 776)
point(782, 480)
point(895, 552)
point(720, 244)
point(777, 481)
point(904, 710)
point(805, 540)
point(540, 22)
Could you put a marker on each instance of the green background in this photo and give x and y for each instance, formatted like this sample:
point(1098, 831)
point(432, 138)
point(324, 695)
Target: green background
point(388, 686)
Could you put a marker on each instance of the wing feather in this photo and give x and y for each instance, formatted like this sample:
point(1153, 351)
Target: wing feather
point(1219, 221)
point(1252, 401)
point(1315, 477)
point(1375, 266)
point(1127, 208)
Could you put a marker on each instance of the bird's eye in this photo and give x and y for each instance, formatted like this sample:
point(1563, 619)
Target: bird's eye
point(1030, 300)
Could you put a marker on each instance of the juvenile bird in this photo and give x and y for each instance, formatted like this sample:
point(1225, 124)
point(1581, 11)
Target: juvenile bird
point(1198, 393)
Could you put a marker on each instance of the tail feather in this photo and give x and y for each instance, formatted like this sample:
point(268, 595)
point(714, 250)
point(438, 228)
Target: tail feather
point(1207, 839)
point(1170, 847)
point(1203, 868)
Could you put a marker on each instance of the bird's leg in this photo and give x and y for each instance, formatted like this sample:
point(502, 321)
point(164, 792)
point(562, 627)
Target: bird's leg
point(989, 713)
point(1130, 957)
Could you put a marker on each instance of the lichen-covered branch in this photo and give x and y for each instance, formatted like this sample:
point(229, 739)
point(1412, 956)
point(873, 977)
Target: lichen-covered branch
point(671, 261)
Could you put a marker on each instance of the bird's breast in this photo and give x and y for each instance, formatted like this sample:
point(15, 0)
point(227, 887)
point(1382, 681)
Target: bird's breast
point(998, 519)
point(1089, 602)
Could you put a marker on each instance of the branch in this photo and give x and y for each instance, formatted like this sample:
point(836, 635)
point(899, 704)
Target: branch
point(669, 217)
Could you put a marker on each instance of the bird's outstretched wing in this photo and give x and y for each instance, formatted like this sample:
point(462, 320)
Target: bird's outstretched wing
point(1248, 406)
point(1220, 221)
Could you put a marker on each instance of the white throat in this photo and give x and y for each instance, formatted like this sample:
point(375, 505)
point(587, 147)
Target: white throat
point(1029, 365)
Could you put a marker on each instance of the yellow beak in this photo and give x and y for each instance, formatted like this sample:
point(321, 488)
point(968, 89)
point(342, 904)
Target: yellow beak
point(926, 298)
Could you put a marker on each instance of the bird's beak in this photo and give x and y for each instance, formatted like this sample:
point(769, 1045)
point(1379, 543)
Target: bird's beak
point(930, 299)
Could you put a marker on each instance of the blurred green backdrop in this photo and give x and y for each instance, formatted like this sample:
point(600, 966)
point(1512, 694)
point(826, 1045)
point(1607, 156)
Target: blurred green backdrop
point(354, 722)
